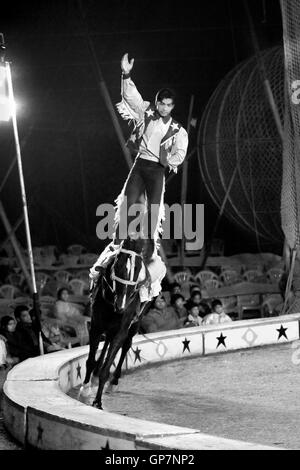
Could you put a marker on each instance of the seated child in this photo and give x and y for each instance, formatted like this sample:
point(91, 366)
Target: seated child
point(193, 318)
point(217, 316)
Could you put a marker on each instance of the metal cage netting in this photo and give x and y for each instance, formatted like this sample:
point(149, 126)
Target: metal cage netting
point(239, 148)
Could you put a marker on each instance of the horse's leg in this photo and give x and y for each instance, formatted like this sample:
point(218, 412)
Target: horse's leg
point(91, 361)
point(117, 373)
point(126, 346)
point(114, 347)
point(100, 360)
point(94, 341)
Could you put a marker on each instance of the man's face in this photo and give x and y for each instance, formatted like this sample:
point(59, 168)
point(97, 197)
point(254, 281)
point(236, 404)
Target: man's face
point(195, 311)
point(197, 299)
point(160, 303)
point(11, 326)
point(25, 317)
point(218, 309)
point(165, 106)
point(64, 295)
point(176, 290)
point(179, 302)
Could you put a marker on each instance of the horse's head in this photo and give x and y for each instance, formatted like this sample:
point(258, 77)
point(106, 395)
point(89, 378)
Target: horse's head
point(128, 273)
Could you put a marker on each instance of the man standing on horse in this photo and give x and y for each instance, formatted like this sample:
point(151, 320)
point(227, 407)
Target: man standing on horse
point(157, 142)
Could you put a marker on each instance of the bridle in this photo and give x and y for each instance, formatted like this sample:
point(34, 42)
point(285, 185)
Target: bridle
point(131, 265)
point(127, 282)
point(108, 279)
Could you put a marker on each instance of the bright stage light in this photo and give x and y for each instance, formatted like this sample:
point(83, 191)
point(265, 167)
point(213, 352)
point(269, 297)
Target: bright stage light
point(5, 104)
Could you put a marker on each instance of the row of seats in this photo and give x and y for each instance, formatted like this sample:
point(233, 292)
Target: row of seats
point(247, 306)
point(50, 256)
point(76, 286)
point(210, 280)
point(17, 279)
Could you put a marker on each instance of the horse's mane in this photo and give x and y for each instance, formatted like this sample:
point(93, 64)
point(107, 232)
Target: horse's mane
point(97, 284)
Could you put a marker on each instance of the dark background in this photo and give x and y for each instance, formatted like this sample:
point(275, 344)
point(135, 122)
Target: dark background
point(71, 156)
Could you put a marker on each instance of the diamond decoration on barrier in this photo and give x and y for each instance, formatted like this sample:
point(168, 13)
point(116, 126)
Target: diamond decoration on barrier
point(161, 349)
point(250, 336)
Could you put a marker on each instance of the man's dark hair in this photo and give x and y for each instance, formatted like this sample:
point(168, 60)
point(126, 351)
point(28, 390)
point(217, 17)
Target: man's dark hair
point(5, 321)
point(165, 93)
point(205, 307)
point(60, 291)
point(190, 305)
point(18, 310)
point(173, 284)
point(194, 288)
point(175, 297)
point(215, 303)
point(196, 292)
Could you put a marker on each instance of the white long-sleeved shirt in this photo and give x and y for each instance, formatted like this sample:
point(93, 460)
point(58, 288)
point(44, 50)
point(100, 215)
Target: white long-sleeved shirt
point(156, 129)
point(215, 318)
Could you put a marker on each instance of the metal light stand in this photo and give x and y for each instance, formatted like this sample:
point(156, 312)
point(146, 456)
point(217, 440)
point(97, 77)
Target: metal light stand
point(23, 193)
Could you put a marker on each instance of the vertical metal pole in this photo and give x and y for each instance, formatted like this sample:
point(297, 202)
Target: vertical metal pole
point(184, 184)
point(15, 244)
point(23, 193)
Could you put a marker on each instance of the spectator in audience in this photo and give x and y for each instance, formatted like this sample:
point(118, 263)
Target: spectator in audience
point(160, 317)
point(50, 329)
point(71, 322)
point(8, 346)
point(177, 302)
point(193, 318)
point(27, 335)
point(195, 298)
point(174, 288)
point(217, 316)
point(195, 288)
point(204, 309)
point(64, 310)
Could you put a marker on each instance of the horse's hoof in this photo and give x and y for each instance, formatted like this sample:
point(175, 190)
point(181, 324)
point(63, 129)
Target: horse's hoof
point(110, 388)
point(98, 405)
point(84, 391)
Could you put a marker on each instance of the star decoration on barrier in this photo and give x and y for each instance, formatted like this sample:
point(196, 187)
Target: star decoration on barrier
point(221, 340)
point(137, 355)
point(106, 446)
point(282, 332)
point(40, 431)
point(78, 368)
point(186, 345)
point(132, 138)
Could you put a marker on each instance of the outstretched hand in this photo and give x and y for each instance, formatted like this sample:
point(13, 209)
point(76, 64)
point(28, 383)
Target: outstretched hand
point(126, 66)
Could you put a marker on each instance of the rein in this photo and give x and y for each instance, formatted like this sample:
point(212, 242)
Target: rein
point(111, 286)
point(126, 282)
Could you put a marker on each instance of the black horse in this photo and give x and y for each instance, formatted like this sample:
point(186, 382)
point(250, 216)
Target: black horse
point(116, 309)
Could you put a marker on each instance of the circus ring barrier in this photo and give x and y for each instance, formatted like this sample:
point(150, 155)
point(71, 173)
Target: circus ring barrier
point(39, 414)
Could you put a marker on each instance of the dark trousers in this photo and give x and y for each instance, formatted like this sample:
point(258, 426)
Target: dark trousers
point(146, 176)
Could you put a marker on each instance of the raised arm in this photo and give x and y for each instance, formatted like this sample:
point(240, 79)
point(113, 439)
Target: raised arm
point(129, 91)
